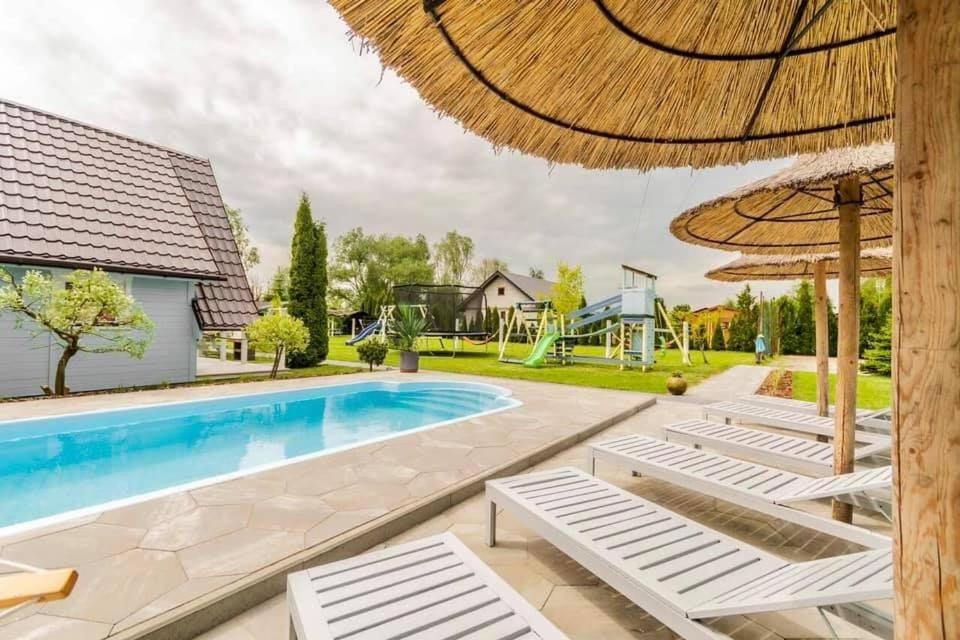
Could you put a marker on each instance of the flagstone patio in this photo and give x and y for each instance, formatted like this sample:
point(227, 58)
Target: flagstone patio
point(192, 559)
point(575, 600)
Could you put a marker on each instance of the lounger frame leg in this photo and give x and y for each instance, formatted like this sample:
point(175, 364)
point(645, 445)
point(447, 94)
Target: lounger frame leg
point(491, 523)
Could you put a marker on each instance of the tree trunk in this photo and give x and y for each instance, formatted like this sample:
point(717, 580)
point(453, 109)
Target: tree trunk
point(60, 381)
point(926, 409)
point(823, 337)
point(849, 197)
point(276, 362)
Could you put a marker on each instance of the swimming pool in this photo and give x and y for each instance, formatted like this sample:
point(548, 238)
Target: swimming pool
point(79, 462)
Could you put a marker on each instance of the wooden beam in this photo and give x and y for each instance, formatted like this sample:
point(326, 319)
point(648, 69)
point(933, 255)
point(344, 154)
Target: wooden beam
point(849, 196)
point(42, 586)
point(926, 409)
point(823, 337)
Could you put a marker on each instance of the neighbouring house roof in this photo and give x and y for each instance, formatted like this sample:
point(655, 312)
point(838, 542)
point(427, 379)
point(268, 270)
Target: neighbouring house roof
point(534, 288)
point(76, 196)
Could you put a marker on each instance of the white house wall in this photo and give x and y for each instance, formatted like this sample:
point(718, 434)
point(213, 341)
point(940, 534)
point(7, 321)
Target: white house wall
point(171, 357)
point(511, 294)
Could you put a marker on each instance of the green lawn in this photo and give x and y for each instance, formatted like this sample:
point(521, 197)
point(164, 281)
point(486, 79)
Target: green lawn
point(873, 392)
point(482, 360)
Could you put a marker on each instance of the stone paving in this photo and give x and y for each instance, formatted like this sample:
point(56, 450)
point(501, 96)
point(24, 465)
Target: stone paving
point(575, 600)
point(144, 565)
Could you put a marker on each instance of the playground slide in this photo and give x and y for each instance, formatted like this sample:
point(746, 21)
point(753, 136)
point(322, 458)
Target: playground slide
point(366, 333)
point(539, 354)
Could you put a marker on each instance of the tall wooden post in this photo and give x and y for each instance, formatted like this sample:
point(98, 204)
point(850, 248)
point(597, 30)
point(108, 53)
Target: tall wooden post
point(849, 197)
point(926, 409)
point(823, 337)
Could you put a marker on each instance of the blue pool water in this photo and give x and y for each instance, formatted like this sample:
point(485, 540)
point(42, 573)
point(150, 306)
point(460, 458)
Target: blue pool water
point(53, 465)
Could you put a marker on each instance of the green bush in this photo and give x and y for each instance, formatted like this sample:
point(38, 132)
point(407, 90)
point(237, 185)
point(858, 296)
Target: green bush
point(372, 351)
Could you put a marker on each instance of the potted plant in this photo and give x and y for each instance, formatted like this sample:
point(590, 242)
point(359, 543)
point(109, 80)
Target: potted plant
point(676, 385)
point(408, 328)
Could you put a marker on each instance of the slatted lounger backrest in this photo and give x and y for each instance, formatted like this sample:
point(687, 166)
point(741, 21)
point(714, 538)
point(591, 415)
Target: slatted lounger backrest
point(429, 589)
point(864, 576)
point(675, 560)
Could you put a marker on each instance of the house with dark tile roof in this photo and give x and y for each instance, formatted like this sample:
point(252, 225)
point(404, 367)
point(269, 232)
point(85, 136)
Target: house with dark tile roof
point(74, 196)
point(503, 289)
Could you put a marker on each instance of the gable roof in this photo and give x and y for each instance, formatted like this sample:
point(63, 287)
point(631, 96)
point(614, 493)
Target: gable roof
point(533, 288)
point(76, 196)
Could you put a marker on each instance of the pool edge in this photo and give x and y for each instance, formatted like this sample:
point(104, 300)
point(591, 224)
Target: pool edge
point(208, 611)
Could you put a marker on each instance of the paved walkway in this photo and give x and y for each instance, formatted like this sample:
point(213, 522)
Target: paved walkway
point(151, 563)
point(574, 599)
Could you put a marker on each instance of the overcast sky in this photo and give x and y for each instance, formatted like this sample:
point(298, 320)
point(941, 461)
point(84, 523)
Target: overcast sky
point(281, 100)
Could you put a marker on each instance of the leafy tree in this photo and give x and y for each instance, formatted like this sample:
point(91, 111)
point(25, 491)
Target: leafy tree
point(487, 266)
point(805, 323)
point(678, 314)
point(366, 267)
point(878, 358)
point(876, 305)
point(372, 351)
point(91, 314)
point(452, 257)
point(249, 254)
point(787, 325)
point(567, 293)
point(308, 285)
point(279, 285)
point(718, 343)
point(536, 273)
point(281, 333)
point(743, 327)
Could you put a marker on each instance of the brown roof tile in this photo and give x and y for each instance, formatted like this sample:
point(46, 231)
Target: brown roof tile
point(73, 195)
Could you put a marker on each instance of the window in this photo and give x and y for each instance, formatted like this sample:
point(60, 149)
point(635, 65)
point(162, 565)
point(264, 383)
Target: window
point(501, 291)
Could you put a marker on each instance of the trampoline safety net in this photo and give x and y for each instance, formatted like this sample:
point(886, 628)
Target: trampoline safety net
point(450, 309)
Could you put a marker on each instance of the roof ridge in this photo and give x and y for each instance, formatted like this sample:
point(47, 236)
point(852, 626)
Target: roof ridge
point(111, 132)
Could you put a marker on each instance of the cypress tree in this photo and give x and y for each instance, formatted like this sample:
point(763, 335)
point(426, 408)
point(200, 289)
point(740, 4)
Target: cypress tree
point(307, 296)
point(319, 338)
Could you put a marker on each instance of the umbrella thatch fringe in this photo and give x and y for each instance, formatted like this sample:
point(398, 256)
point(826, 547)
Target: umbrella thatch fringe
point(792, 211)
point(873, 262)
point(563, 59)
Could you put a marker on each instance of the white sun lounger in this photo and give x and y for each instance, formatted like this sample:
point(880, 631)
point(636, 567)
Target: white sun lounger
point(675, 569)
point(809, 456)
point(434, 588)
point(783, 419)
point(867, 419)
point(763, 489)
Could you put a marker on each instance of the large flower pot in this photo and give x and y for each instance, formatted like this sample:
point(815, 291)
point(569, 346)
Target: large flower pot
point(676, 385)
point(409, 361)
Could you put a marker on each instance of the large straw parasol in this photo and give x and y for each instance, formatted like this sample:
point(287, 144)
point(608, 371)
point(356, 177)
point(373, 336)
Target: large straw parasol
point(619, 83)
point(614, 83)
point(795, 210)
point(815, 204)
point(819, 267)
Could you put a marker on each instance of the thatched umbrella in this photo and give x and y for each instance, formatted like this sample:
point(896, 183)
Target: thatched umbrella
point(819, 267)
point(614, 83)
point(814, 205)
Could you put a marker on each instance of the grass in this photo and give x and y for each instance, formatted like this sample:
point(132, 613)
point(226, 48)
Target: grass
point(482, 361)
point(873, 392)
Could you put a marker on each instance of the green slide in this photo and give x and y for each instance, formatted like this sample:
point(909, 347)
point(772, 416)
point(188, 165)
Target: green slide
point(539, 355)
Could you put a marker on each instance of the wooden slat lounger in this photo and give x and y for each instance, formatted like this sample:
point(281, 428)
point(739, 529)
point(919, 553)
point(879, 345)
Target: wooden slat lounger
point(750, 485)
point(809, 456)
point(434, 588)
point(675, 569)
point(800, 422)
point(867, 419)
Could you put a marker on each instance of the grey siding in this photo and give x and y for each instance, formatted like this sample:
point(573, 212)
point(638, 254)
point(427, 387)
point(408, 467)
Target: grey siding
point(170, 358)
point(23, 359)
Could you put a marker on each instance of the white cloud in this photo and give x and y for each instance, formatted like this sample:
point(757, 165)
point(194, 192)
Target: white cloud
point(280, 99)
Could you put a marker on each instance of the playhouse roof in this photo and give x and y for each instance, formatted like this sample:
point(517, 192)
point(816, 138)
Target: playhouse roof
point(77, 196)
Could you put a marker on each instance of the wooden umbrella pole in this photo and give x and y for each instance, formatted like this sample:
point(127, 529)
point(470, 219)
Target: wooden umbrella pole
point(823, 336)
point(926, 414)
point(849, 198)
